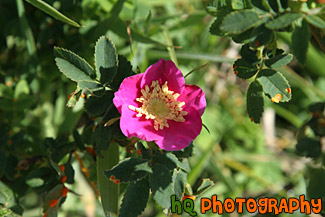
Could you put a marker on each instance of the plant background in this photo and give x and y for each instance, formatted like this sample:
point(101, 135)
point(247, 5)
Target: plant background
point(243, 159)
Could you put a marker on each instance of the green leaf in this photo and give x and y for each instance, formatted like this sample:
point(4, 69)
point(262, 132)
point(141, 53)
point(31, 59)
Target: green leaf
point(109, 191)
point(244, 70)
point(106, 60)
point(135, 199)
point(278, 61)
point(124, 70)
point(239, 21)
point(97, 104)
point(299, 42)
point(316, 188)
point(275, 85)
point(7, 197)
point(6, 212)
point(52, 11)
point(179, 180)
point(205, 185)
point(316, 21)
point(102, 138)
point(167, 159)
point(185, 153)
point(53, 194)
point(248, 54)
point(69, 172)
point(261, 4)
point(215, 27)
point(73, 66)
point(283, 21)
point(3, 159)
point(309, 147)
point(130, 169)
point(161, 185)
point(89, 85)
point(78, 140)
point(22, 88)
point(255, 101)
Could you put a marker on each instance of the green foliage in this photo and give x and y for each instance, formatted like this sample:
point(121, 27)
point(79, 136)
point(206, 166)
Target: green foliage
point(106, 60)
point(52, 11)
point(274, 84)
point(300, 39)
point(255, 101)
point(73, 66)
point(283, 21)
point(309, 147)
point(133, 204)
point(161, 185)
point(130, 169)
point(239, 21)
point(205, 185)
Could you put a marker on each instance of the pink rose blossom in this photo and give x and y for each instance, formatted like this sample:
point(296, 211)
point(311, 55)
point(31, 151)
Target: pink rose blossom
point(158, 106)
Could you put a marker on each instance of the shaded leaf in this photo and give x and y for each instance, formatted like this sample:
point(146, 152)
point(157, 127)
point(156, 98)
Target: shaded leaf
point(275, 85)
point(279, 60)
point(161, 185)
point(3, 159)
point(205, 185)
point(299, 42)
point(78, 140)
point(167, 159)
point(72, 66)
point(255, 101)
point(106, 60)
point(69, 172)
point(135, 199)
point(185, 153)
point(102, 137)
point(215, 27)
point(99, 102)
point(130, 169)
point(283, 21)
point(309, 147)
point(316, 187)
point(124, 70)
point(239, 21)
point(244, 69)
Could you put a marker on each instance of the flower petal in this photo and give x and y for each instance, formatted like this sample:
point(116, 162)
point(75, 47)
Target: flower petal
point(138, 126)
point(128, 92)
point(180, 134)
point(164, 71)
point(193, 96)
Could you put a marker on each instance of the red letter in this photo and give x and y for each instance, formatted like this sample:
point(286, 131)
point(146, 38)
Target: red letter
point(316, 207)
point(273, 205)
point(204, 208)
point(216, 203)
point(291, 207)
point(262, 202)
point(283, 205)
point(304, 203)
point(240, 202)
point(229, 205)
point(251, 205)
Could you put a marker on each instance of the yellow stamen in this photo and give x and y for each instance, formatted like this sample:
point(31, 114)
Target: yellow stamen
point(160, 105)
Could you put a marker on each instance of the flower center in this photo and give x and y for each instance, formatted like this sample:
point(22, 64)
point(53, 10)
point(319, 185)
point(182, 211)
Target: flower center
point(160, 105)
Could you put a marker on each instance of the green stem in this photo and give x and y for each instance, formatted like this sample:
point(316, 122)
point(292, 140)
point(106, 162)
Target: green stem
point(109, 191)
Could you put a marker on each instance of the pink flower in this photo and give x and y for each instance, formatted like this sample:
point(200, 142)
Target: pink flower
point(158, 106)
